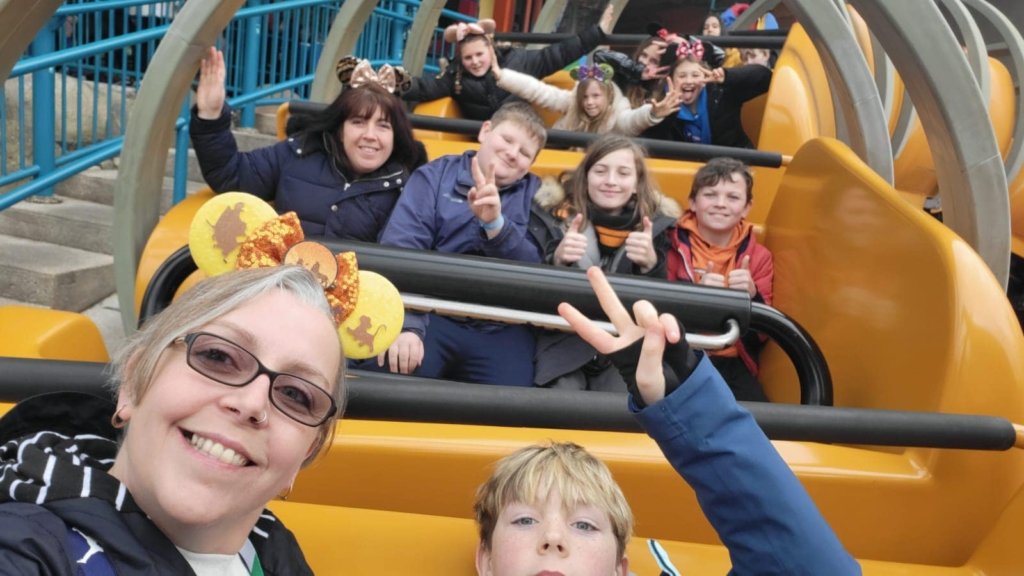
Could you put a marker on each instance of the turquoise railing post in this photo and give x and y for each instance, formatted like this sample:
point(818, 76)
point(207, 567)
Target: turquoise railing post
point(251, 63)
point(181, 155)
point(43, 115)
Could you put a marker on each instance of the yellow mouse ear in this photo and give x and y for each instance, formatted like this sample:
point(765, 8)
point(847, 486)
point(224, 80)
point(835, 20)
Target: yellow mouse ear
point(376, 320)
point(221, 225)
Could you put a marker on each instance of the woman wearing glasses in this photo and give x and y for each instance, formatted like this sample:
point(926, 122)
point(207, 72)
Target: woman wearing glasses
point(221, 400)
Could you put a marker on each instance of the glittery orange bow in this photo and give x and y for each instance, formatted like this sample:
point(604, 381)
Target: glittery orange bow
point(269, 245)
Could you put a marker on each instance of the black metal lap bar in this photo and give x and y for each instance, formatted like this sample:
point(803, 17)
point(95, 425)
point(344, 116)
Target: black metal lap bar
point(540, 288)
point(655, 148)
point(537, 288)
point(382, 397)
point(771, 41)
point(796, 342)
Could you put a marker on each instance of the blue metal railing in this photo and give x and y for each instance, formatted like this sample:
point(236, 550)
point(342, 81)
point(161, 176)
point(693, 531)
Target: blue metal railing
point(85, 66)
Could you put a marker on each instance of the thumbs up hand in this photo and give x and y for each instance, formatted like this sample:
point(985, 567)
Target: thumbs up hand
point(573, 246)
point(640, 248)
point(712, 279)
point(740, 278)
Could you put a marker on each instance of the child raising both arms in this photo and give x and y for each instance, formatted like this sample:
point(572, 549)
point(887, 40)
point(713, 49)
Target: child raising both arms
point(596, 105)
point(714, 245)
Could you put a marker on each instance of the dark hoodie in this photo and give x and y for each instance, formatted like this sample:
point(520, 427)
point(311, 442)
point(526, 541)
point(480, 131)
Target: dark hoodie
point(62, 514)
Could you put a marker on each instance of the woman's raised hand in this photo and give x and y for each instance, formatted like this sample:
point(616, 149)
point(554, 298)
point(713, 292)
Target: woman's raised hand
point(210, 94)
point(668, 105)
point(645, 371)
point(573, 246)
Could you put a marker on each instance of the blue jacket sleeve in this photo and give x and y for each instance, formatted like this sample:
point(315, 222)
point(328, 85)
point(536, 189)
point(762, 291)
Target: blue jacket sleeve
point(226, 169)
point(753, 500)
point(413, 225)
point(32, 542)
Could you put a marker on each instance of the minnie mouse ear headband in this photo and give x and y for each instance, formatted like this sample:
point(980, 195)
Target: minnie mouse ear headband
point(237, 231)
point(600, 72)
point(458, 32)
point(353, 73)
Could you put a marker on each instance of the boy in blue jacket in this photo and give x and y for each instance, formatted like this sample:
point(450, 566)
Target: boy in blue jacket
point(476, 203)
point(557, 510)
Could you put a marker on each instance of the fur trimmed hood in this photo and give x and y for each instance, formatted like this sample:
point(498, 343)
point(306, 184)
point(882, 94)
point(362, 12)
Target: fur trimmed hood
point(551, 193)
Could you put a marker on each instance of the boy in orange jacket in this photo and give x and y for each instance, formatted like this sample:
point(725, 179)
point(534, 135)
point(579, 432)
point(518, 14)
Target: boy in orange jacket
point(714, 245)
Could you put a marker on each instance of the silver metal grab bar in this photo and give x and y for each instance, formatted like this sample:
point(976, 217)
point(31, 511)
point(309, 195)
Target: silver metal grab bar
point(552, 321)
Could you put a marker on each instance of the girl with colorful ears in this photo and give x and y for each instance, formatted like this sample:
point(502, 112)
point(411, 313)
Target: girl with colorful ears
point(596, 105)
point(606, 213)
point(468, 79)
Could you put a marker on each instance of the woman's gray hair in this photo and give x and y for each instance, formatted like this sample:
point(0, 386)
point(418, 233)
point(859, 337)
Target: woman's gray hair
point(134, 365)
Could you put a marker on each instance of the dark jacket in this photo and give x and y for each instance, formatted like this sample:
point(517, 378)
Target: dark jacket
point(297, 176)
point(480, 97)
point(559, 353)
point(55, 449)
point(748, 493)
point(433, 214)
point(725, 102)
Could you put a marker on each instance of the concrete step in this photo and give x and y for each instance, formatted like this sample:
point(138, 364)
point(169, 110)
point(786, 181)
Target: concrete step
point(194, 173)
point(249, 139)
point(53, 276)
point(96, 185)
point(73, 223)
point(266, 122)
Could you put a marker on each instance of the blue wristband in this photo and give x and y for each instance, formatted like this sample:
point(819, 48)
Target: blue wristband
point(493, 225)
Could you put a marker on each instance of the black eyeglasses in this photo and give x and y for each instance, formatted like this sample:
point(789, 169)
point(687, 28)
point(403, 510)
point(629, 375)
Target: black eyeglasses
point(221, 360)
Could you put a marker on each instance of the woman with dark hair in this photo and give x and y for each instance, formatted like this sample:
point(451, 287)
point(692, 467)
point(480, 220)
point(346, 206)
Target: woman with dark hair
point(341, 170)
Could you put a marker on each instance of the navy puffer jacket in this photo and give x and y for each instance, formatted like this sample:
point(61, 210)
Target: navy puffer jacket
point(298, 177)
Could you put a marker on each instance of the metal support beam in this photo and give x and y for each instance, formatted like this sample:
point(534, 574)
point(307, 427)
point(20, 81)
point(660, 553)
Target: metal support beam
point(341, 41)
point(852, 85)
point(150, 133)
point(1013, 43)
point(421, 35)
point(22, 19)
point(969, 167)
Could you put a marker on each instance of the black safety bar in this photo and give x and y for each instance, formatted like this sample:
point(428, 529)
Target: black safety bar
point(773, 42)
point(565, 138)
point(539, 288)
point(372, 396)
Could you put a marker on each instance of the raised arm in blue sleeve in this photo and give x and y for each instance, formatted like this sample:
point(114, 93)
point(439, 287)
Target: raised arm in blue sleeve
point(226, 169)
point(753, 500)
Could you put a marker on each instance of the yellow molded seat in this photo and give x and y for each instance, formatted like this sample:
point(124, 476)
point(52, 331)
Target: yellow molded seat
point(50, 335)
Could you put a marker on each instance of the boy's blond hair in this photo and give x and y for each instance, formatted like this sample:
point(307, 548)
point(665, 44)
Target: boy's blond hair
point(526, 117)
point(526, 475)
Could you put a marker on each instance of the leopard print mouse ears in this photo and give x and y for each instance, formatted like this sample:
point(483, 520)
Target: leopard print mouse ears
point(353, 73)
